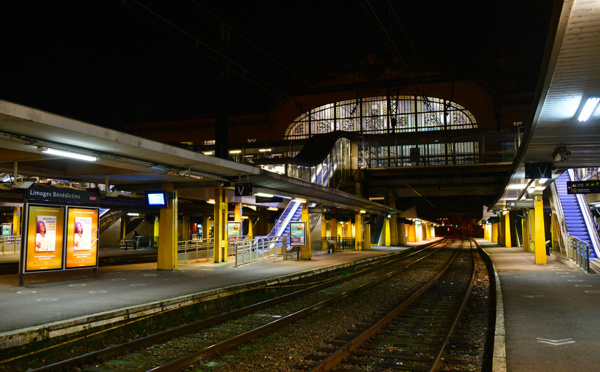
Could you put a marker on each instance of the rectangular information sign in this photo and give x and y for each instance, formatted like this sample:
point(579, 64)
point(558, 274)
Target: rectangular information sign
point(82, 238)
point(44, 238)
point(298, 234)
point(234, 231)
point(583, 187)
point(521, 204)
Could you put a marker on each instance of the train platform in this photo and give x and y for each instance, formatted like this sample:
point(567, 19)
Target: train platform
point(547, 314)
point(59, 303)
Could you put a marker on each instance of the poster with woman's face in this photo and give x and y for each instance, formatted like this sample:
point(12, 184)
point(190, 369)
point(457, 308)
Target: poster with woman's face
point(44, 238)
point(82, 238)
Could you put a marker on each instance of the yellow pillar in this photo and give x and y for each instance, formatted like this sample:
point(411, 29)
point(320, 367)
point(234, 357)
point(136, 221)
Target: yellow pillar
point(367, 245)
point(539, 237)
point(167, 240)
point(402, 234)
point(525, 229)
point(16, 221)
point(323, 232)
point(306, 251)
point(358, 232)
point(394, 231)
point(412, 233)
point(487, 231)
point(156, 231)
point(495, 232)
point(220, 226)
point(507, 237)
point(333, 228)
point(238, 212)
point(250, 227)
point(386, 232)
point(185, 228)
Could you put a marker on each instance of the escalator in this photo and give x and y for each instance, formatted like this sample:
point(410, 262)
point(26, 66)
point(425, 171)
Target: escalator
point(573, 214)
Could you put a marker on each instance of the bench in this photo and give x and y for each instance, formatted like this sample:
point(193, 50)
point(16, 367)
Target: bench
point(330, 245)
point(133, 242)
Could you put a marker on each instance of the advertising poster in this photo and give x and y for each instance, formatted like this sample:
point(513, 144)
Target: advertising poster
point(234, 231)
point(7, 229)
point(44, 243)
point(298, 234)
point(82, 238)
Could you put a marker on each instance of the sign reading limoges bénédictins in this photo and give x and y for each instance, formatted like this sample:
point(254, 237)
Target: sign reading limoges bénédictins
point(64, 195)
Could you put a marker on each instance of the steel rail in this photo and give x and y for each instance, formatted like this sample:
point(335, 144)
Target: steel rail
point(346, 350)
point(120, 349)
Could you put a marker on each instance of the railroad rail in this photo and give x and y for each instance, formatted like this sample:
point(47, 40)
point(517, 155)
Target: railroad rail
point(214, 340)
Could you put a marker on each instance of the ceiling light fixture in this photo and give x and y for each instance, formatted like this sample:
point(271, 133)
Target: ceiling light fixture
point(588, 108)
point(66, 154)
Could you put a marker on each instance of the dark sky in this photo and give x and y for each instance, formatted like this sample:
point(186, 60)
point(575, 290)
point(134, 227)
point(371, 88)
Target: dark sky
point(110, 64)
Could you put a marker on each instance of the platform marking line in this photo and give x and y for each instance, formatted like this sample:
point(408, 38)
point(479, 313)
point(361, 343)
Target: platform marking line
point(77, 285)
point(575, 280)
point(97, 292)
point(26, 292)
point(548, 341)
point(150, 274)
point(583, 285)
point(47, 299)
point(533, 296)
point(568, 276)
point(593, 291)
point(118, 279)
point(137, 285)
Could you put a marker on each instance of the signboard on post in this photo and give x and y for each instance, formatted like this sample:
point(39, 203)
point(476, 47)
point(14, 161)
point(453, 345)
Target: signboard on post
point(234, 231)
point(520, 204)
point(297, 234)
point(538, 170)
point(243, 189)
point(583, 187)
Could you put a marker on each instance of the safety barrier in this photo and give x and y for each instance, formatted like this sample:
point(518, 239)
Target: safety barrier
point(579, 251)
point(10, 244)
point(259, 248)
point(195, 250)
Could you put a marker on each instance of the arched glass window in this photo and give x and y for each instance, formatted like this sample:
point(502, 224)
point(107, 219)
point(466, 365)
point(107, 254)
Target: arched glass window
point(383, 114)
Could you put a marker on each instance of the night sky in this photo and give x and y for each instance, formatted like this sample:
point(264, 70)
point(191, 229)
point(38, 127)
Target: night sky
point(112, 65)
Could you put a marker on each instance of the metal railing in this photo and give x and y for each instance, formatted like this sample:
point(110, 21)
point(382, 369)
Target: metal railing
point(195, 250)
point(259, 248)
point(579, 251)
point(10, 244)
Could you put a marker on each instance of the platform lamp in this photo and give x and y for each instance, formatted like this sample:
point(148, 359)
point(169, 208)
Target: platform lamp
point(588, 108)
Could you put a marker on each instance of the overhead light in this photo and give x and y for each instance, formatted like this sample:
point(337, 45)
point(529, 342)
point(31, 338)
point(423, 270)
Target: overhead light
point(588, 108)
point(272, 209)
point(543, 180)
point(299, 200)
point(263, 195)
point(132, 214)
point(516, 186)
point(208, 153)
point(235, 151)
point(362, 211)
point(66, 154)
point(264, 150)
point(211, 201)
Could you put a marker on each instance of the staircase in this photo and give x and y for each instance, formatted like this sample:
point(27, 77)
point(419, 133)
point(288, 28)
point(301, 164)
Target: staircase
point(376, 227)
point(572, 212)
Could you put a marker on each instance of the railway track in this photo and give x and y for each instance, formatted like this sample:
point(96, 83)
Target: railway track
point(413, 336)
point(178, 348)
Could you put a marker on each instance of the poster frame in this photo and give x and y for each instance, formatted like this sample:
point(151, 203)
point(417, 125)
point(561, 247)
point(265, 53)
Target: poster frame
point(69, 232)
point(25, 242)
point(298, 226)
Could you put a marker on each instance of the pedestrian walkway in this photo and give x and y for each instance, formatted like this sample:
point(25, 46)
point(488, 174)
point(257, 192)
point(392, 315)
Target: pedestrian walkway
point(547, 314)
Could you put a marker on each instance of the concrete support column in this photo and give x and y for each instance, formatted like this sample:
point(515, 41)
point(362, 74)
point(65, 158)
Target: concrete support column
point(507, 237)
point(358, 232)
point(220, 227)
point(306, 250)
point(156, 231)
point(250, 227)
point(238, 212)
point(526, 240)
point(367, 239)
point(487, 231)
point(386, 238)
point(394, 231)
point(402, 234)
point(412, 233)
point(495, 232)
point(167, 240)
point(333, 228)
point(16, 221)
point(185, 228)
point(539, 237)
